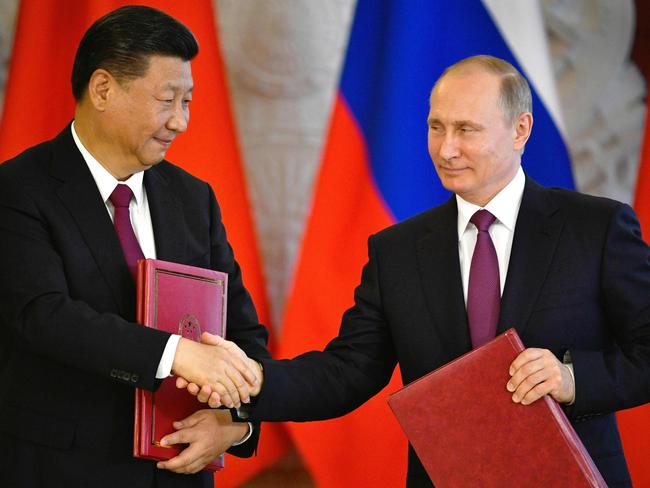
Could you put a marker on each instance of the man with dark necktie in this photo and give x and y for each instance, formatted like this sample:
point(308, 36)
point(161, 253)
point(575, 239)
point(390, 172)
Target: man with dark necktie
point(568, 271)
point(76, 213)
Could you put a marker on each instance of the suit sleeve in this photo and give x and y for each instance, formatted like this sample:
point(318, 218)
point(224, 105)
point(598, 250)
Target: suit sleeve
point(352, 368)
point(618, 376)
point(38, 311)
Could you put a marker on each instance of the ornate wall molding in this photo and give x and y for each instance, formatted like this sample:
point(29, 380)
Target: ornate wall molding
point(284, 60)
point(601, 91)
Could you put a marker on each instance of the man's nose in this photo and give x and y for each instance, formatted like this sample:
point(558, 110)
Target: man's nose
point(449, 146)
point(179, 119)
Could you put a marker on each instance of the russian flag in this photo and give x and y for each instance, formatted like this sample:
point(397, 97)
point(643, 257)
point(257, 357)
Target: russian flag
point(376, 171)
point(37, 107)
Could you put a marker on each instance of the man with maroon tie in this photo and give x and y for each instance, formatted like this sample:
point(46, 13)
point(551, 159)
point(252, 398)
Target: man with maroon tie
point(76, 213)
point(569, 272)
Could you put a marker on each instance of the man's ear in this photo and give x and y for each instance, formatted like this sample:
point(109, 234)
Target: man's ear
point(523, 127)
point(100, 88)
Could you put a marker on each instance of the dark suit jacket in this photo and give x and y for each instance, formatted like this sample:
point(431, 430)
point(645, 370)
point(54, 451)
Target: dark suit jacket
point(67, 305)
point(578, 280)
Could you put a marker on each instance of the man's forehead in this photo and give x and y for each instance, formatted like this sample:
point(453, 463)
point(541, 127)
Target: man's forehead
point(465, 94)
point(170, 73)
point(466, 78)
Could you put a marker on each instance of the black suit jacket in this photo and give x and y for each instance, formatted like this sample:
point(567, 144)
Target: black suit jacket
point(67, 305)
point(578, 280)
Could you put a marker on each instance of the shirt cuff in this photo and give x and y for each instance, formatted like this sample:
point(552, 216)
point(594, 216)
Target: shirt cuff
point(246, 437)
point(566, 360)
point(167, 360)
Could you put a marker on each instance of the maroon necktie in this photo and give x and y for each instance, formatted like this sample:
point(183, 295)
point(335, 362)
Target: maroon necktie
point(120, 198)
point(483, 296)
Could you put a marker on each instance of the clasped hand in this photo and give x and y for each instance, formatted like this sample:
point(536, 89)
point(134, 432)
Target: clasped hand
point(206, 434)
point(218, 368)
point(537, 372)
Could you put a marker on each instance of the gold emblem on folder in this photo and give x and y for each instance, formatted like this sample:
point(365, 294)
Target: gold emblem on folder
point(190, 328)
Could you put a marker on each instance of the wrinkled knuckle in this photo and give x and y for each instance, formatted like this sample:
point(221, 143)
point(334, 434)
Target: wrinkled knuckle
point(527, 369)
point(539, 389)
point(531, 397)
point(528, 383)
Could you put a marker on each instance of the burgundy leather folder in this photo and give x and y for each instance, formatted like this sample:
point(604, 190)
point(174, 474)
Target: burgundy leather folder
point(467, 431)
point(184, 300)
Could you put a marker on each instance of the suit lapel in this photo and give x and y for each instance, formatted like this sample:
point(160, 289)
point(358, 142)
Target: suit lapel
point(539, 225)
point(166, 216)
point(437, 254)
point(79, 194)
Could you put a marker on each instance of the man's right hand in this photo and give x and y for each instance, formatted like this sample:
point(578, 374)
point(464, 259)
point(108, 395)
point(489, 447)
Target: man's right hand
point(213, 397)
point(218, 366)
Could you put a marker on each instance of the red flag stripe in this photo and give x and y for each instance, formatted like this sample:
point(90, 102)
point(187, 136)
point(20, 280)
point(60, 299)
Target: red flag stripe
point(366, 447)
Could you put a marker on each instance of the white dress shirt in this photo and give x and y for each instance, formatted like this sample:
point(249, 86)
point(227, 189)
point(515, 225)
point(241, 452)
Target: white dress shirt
point(505, 207)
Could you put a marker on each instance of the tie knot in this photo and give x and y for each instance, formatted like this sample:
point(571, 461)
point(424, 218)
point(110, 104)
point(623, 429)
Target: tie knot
point(121, 196)
point(482, 219)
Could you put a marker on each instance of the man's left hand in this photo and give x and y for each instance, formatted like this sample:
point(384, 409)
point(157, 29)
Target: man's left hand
point(209, 433)
point(537, 372)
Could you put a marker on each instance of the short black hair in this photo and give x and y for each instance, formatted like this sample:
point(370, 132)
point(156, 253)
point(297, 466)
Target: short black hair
point(122, 41)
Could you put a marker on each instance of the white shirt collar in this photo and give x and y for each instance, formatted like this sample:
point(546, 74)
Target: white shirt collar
point(504, 205)
point(105, 181)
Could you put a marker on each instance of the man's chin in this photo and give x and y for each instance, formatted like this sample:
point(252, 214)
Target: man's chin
point(150, 162)
point(453, 184)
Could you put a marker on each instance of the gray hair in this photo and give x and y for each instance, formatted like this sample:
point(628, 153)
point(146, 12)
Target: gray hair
point(515, 97)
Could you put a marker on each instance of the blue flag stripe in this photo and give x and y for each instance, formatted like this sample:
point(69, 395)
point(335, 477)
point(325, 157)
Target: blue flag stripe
point(396, 52)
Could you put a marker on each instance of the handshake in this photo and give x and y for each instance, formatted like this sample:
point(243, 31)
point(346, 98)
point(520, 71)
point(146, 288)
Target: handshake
point(216, 371)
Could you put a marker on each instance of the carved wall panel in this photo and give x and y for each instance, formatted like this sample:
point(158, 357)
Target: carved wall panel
point(601, 90)
point(283, 60)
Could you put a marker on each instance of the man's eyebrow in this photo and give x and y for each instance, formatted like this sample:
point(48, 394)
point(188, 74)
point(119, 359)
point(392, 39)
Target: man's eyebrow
point(175, 86)
point(456, 123)
point(460, 123)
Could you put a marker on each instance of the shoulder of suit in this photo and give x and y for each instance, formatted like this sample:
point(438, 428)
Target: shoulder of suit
point(175, 172)
point(581, 203)
point(179, 178)
point(32, 159)
point(171, 170)
point(413, 227)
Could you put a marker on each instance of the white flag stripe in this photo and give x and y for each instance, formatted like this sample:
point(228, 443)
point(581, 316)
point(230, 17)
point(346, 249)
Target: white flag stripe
point(522, 27)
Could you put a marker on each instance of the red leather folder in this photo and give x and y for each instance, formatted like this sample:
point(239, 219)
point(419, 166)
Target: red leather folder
point(184, 300)
point(467, 431)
